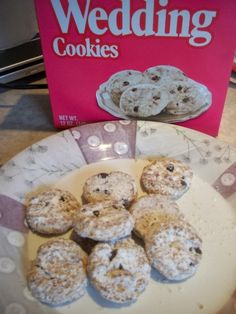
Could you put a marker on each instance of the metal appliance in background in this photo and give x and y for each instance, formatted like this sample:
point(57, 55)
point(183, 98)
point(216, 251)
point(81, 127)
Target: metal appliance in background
point(21, 61)
point(20, 47)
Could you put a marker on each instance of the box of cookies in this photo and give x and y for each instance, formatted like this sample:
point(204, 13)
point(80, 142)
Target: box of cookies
point(158, 60)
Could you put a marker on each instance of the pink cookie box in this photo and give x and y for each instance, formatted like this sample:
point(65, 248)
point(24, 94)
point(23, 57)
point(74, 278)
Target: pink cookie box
point(86, 42)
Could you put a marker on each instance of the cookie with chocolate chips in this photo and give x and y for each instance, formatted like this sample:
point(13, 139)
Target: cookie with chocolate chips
point(143, 100)
point(187, 97)
point(167, 176)
point(163, 74)
point(116, 185)
point(119, 271)
point(58, 274)
point(51, 212)
point(153, 209)
point(122, 80)
point(103, 221)
point(174, 248)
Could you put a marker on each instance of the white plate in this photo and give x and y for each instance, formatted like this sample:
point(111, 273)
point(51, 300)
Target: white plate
point(67, 158)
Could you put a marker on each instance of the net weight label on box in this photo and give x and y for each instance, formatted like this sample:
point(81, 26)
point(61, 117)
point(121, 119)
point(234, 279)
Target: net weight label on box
point(68, 120)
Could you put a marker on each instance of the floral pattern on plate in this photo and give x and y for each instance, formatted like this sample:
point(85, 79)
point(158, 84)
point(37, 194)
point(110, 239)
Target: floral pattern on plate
point(40, 164)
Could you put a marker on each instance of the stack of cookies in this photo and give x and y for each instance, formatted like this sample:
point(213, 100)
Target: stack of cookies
point(101, 245)
point(172, 245)
point(157, 90)
point(58, 274)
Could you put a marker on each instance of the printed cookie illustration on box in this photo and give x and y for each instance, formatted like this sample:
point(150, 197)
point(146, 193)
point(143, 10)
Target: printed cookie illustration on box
point(162, 93)
point(161, 60)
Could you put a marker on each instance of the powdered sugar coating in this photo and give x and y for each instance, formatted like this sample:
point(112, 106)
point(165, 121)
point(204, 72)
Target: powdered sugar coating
point(58, 274)
point(174, 249)
point(120, 271)
point(115, 185)
point(103, 221)
point(52, 211)
point(167, 176)
point(150, 209)
point(143, 100)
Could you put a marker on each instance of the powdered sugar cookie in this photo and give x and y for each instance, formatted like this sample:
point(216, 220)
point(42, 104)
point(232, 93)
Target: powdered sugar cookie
point(58, 274)
point(143, 100)
point(119, 271)
point(115, 185)
point(167, 176)
point(122, 80)
point(153, 209)
point(174, 249)
point(103, 221)
point(52, 211)
point(187, 97)
point(162, 74)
